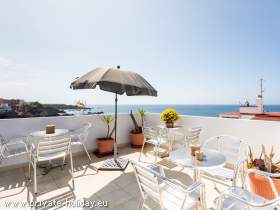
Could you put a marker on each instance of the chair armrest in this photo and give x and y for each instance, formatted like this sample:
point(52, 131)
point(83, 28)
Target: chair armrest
point(178, 185)
point(18, 139)
point(17, 143)
point(273, 202)
point(172, 182)
point(187, 189)
point(155, 166)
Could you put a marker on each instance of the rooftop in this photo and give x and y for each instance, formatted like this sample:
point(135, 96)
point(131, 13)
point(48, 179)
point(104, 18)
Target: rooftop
point(118, 188)
point(269, 116)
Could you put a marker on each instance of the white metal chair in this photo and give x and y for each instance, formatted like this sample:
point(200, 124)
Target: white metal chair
point(154, 137)
point(234, 149)
point(241, 198)
point(170, 194)
point(185, 138)
point(79, 136)
point(49, 149)
point(12, 147)
point(193, 135)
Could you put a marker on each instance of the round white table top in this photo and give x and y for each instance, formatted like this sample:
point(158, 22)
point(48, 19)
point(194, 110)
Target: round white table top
point(183, 157)
point(162, 126)
point(43, 134)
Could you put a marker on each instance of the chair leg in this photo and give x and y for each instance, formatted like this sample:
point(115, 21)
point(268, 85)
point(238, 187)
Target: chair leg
point(141, 204)
point(142, 149)
point(29, 167)
point(203, 198)
point(156, 152)
point(84, 146)
point(72, 168)
point(35, 177)
point(63, 162)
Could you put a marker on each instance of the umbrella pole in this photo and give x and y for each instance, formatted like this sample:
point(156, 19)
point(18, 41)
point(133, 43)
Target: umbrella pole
point(115, 163)
point(116, 120)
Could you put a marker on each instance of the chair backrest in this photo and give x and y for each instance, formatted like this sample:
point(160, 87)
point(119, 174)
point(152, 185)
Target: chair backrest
point(232, 147)
point(83, 131)
point(193, 134)
point(150, 133)
point(4, 152)
point(3, 140)
point(53, 145)
point(268, 187)
point(147, 181)
point(263, 194)
point(86, 127)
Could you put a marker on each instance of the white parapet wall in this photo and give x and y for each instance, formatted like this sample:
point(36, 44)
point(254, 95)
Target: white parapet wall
point(254, 132)
point(11, 128)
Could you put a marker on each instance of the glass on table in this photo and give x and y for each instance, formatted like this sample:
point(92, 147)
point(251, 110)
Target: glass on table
point(199, 155)
point(194, 147)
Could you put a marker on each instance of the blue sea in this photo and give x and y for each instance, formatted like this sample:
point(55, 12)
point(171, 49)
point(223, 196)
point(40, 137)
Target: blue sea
point(197, 110)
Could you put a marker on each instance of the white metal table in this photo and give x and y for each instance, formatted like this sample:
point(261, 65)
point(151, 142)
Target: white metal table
point(170, 137)
point(42, 134)
point(212, 159)
point(37, 135)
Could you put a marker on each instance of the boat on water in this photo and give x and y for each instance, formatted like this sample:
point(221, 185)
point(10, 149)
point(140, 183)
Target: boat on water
point(253, 112)
point(81, 104)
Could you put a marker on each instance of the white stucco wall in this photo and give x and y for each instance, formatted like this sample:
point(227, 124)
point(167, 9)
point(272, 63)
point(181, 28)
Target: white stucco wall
point(10, 128)
point(253, 131)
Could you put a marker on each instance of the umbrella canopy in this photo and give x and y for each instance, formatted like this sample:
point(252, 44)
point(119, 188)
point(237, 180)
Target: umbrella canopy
point(116, 81)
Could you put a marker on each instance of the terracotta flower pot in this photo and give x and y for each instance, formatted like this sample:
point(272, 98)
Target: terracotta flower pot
point(137, 139)
point(261, 186)
point(169, 124)
point(104, 145)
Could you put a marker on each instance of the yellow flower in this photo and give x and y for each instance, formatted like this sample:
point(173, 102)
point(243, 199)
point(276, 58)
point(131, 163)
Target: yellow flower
point(169, 115)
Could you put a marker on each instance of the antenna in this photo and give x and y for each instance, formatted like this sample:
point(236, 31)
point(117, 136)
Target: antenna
point(261, 87)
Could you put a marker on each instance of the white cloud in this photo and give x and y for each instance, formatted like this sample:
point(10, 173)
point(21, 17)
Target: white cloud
point(10, 65)
point(12, 84)
point(5, 62)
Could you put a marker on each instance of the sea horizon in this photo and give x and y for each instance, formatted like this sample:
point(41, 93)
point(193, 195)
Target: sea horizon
point(210, 110)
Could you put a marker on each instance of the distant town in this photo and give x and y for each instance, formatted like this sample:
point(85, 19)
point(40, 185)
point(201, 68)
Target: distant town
point(18, 108)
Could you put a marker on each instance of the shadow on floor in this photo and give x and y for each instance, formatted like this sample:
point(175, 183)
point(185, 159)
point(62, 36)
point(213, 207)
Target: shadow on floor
point(12, 183)
point(123, 193)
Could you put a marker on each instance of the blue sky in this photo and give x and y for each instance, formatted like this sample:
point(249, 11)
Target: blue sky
point(192, 52)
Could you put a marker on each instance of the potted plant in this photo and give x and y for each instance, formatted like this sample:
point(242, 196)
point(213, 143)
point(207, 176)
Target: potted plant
point(105, 144)
point(136, 135)
point(169, 116)
point(260, 184)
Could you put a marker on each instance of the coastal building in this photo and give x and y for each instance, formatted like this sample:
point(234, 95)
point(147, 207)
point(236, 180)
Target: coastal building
point(5, 108)
point(254, 112)
point(14, 104)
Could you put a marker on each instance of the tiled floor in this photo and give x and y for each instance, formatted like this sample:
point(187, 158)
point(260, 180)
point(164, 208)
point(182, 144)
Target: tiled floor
point(119, 189)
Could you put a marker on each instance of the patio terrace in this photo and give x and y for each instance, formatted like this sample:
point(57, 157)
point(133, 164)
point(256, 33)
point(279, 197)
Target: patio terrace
point(118, 188)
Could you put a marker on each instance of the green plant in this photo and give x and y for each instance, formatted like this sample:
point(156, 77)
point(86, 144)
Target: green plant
point(141, 113)
point(107, 119)
point(264, 162)
point(169, 115)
